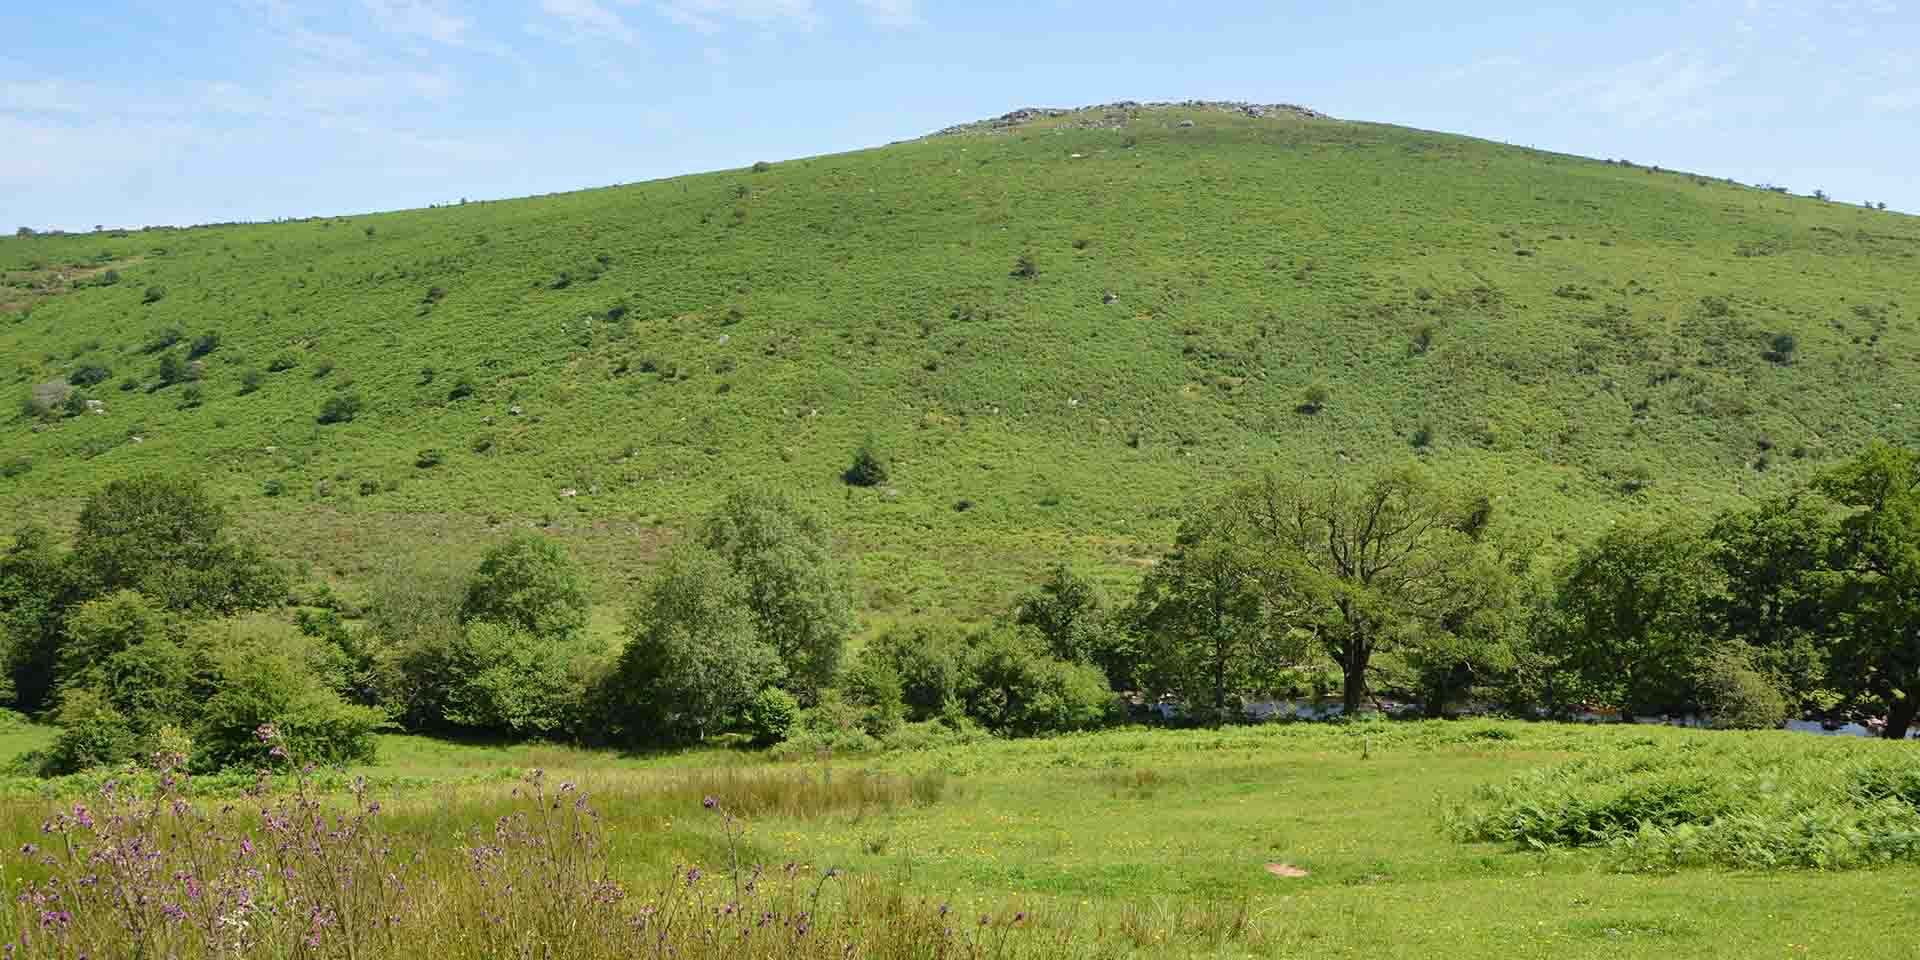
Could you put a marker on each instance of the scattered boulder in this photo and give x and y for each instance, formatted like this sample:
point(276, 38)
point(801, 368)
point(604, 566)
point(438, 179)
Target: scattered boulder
point(1109, 298)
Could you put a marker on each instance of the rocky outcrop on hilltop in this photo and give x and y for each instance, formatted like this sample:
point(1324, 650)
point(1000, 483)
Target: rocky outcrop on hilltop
point(1111, 115)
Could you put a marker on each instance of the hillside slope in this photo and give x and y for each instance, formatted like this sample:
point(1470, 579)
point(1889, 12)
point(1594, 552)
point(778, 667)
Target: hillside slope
point(1579, 337)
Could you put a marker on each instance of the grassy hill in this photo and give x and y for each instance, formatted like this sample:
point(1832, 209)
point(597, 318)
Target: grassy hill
point(1057, 332)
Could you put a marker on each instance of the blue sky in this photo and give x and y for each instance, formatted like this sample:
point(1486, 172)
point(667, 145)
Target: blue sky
point(132, 112)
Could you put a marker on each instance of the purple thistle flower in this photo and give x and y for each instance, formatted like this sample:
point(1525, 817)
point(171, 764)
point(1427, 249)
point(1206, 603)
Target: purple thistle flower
point(710, 802)
point(266, 732)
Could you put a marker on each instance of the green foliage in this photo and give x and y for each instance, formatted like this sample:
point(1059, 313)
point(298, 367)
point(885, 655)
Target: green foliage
point(1012, 686)
point(533, 583)
point(693, 660)
point(165, 537)
point(204, 344)
point(506, 679)
point(1738, 697)
point(1630, 615)
point(89, 374)
point(1755, 805)
point(98, 629)
point(251, 380)
point(930, 662)
point(38, 586)
point(771, 716)
point(1070, 611)
point(93, 733)
point(258, 683)
point(1208, 633)
point(153, 295)
point(873, 684)
point(868, 468)
point(797, 591)
point(1876, 554)
point(340, 408)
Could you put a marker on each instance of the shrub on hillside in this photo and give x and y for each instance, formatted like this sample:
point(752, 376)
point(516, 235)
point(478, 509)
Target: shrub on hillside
point(340, 408)
point(89, 374)
point(868, 468)
point(250, 380)
point(203, 344)
point(1314, 399)
point(153, 294)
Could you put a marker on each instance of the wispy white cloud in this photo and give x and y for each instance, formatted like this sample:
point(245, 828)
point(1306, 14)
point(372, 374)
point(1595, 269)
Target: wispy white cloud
point(586, 19)
point(1895, 101)
point(713, 16)
point(1669, 89)
point(432, 19)
point(891, 13)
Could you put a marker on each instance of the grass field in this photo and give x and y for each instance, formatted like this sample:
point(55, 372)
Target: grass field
point(1140, 842)
point(1583, 339)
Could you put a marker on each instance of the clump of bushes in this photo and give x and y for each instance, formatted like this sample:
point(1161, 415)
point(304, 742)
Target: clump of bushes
point(340, 408)
point(868, 468)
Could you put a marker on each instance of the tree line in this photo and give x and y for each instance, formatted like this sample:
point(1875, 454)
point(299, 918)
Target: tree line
point(158, 626)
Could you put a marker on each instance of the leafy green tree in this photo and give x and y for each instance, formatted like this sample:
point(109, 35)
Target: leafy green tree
point(38, 586)
point(165, 537)
point(532, 583)
point(693, 659)
point(1875, 655)
point(1389, 565)
point(930, 661)
point(1779, 593)
point(797, 591)
point(504, 678)
point(98, 629)
point(1070, 612)
point(1203, 613)
point(1631, 615)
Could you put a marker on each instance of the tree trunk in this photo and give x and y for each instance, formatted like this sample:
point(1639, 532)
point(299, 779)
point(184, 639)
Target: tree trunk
point(1900, 714)
point(1353, 668)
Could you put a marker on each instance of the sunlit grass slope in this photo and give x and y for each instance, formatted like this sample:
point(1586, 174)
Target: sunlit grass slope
point(1579, 337)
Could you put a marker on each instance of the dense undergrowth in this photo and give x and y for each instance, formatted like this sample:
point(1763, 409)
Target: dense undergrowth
point(1750, 803)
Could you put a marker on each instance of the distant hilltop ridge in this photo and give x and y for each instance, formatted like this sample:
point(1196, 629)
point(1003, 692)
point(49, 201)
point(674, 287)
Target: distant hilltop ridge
point(1117, 114)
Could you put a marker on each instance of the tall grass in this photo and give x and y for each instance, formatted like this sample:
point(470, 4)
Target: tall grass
point(1751, 803)
point(140, 870)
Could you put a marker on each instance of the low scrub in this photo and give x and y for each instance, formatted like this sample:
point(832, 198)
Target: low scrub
point(1752, 804)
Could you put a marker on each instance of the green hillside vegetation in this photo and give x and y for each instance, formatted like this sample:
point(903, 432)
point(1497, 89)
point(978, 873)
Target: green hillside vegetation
point(1050, 337)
